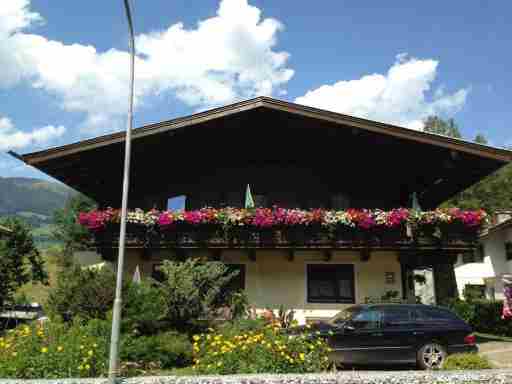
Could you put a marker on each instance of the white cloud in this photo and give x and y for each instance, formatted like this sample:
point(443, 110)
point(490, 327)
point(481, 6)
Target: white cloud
point(226, 57)
point(11, 138)
point(401, 96)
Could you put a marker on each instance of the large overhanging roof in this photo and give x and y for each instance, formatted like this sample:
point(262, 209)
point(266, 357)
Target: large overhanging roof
point(265, 130)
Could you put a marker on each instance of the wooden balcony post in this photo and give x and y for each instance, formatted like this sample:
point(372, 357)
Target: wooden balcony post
point(445, 283)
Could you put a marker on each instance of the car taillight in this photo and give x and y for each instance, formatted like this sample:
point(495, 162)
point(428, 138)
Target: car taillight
point(470, 340)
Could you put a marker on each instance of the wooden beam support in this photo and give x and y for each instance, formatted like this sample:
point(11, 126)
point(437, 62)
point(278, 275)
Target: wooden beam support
point(327, 254)
point(290, 254)
point(365, 254)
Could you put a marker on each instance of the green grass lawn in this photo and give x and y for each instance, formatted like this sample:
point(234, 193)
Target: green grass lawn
point(38, 292)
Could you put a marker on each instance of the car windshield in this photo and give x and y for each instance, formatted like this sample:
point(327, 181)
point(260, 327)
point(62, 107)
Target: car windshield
point(344, 315)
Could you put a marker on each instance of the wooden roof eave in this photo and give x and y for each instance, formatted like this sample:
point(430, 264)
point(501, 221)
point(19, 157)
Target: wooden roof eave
point(501, 155)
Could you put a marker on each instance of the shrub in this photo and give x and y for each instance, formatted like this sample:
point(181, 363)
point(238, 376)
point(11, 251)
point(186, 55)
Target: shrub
point(82, 292)
point(195, 290)
point(463, 361)
point(55, 350)
point(483, 315)
point(89, 294)
point(165, 350)
point(143, 309)
point(265, 349)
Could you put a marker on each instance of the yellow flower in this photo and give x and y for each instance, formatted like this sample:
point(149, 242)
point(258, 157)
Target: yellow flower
point(90, 353)
point(87, 366)
point(196, 337)
point(44, 350)
point(95, 345)
point(80, 367)
point(219, 364)
point(14, 354)
point(60, 348)
point(81, 347)
point(301, 356)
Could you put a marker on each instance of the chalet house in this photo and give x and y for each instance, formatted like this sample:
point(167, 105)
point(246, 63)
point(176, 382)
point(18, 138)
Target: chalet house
point(485, 275)
point(292, 156)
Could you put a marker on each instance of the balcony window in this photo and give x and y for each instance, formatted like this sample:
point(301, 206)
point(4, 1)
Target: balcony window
point(176, 203)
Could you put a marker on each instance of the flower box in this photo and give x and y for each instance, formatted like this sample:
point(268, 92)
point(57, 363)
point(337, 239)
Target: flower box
point(270, 227)
point(426, 233)
point(390, 235)
point(344, 234)
point(267, 237)
point(458, 232)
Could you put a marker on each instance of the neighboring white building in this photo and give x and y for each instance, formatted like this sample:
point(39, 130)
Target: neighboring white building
point(485, 272)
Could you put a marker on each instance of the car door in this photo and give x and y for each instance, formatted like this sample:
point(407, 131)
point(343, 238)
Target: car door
point(399, 333)
point(439, 324)
point(358, 341)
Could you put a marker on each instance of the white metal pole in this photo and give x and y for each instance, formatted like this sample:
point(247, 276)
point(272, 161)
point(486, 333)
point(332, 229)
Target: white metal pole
point(116, 312)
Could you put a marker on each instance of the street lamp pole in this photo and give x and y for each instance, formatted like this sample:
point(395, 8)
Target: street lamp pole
point(116, 312)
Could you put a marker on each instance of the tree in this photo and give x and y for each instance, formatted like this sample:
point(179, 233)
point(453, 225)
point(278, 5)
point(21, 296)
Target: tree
point(492, 193)
point(66, 229)
point(480, 139)
point(435, 124)
point(20, 261)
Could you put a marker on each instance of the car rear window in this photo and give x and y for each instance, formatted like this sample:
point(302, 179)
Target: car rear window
point(397, 317)
point(434, 314)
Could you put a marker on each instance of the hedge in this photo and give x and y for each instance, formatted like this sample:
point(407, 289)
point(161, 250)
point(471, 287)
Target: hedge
point(484, 316)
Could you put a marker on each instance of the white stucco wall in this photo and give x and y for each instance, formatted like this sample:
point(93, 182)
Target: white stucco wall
point(272, 280)
point(493, 266)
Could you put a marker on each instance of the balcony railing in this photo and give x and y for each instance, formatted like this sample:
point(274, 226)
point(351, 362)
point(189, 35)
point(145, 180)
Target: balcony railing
point(292, 228)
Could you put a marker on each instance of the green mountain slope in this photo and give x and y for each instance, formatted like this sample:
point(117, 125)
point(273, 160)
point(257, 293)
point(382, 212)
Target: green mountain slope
point(33, 199)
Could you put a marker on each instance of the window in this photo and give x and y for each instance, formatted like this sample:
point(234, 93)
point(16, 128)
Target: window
point(330, 283)
point(260, 201)
point(176, 203)
point(367, 319)
point(508, 250)
point(431, 314)
point(397, 317)
point(474, 291)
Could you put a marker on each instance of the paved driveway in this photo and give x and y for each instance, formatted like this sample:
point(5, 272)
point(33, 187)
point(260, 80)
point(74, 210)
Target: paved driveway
point(498, 351)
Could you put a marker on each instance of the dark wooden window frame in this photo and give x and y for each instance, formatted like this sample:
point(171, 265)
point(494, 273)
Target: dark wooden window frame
point(337, 299)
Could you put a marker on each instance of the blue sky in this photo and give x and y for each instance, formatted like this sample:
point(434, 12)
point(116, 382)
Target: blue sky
point(65, 63)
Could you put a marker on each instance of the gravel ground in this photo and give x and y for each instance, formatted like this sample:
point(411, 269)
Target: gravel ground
point(355, 377)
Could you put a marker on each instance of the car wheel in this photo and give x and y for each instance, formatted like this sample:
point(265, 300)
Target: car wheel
point(431, 356)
